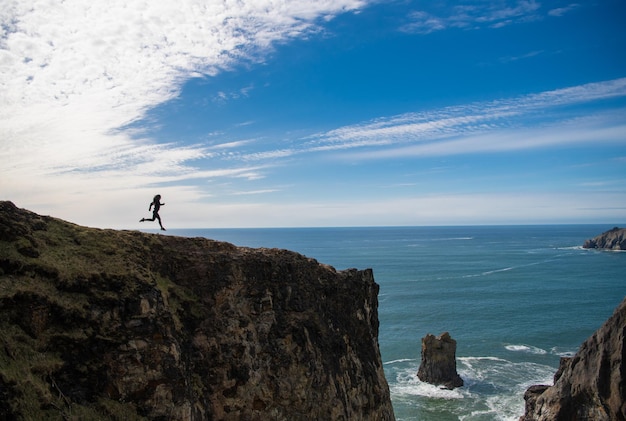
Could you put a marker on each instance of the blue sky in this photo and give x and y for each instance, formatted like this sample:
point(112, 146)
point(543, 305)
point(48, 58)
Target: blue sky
point(326, 113)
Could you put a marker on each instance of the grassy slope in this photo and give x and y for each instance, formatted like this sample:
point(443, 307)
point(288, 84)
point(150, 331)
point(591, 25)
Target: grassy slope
point(48, 268)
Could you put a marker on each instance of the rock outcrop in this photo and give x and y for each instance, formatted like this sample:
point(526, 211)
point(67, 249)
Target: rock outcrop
point(123, 325)
point(438, 364)
point(591, 385)
point(614, 239)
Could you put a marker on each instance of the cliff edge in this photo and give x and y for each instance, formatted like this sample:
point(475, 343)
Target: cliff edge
point(104, 324)
point(591, 385)
point(614, 239)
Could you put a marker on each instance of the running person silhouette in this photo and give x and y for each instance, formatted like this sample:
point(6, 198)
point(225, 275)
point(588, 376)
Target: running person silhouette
point(156, 202)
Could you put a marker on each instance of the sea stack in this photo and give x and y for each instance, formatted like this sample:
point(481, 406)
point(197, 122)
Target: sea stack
point(438, 364)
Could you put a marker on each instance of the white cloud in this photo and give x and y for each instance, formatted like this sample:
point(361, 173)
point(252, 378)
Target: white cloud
point(75, 74)
point(584, 131)
point(254, 192)
point(525, 122)
point(474, 16)
point(231, 145)
point(563, 10)
point(72, 73)
point(488, 126)
point(443, 209)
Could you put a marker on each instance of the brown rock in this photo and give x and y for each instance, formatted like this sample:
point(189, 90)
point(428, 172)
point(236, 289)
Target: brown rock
point(589, 386)
point(105, 324)
point(438, 364)
point(614, 239)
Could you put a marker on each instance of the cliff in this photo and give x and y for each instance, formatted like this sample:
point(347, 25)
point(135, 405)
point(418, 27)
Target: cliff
point(591, 385)
point(614, 239)
point(103, 324)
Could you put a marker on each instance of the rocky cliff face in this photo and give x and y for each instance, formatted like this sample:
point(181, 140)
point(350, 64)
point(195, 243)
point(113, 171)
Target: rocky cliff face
point(614, 239)
point(102, 324)
point(589, 386)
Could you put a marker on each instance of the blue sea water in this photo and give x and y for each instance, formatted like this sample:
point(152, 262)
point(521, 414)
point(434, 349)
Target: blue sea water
point(515, 298)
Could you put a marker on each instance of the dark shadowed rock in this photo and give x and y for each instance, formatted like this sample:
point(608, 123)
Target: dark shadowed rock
point(438, 364)
point(123, 325)
point(614, 239)
point(591, 385)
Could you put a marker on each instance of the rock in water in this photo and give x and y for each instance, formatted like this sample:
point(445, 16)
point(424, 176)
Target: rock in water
point(591, 385)
point(438, 365)
point(614, 239)
point(123, 325)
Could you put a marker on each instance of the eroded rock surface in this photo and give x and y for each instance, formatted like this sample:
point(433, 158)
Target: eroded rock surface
point(103, 324)
point(590, 385)
point(614, 239)
point(438, 364)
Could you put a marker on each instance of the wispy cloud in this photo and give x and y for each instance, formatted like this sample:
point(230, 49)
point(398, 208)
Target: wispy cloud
point(483, 126)
point(439, 209)
point(73, 73)
point(222, 96)
point(231, 145)
point(563, 10)
point(474, 16)
point(510, 59)
point(580, 131)
point(254, 192)
point(557, 117)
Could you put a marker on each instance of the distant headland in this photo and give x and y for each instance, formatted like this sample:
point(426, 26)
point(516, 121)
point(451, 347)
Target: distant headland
point(614, 239)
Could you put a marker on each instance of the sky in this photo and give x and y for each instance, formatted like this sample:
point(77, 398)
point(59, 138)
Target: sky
point(299, 113)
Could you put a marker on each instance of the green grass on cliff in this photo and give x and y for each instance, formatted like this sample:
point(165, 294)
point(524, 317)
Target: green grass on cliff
point(49, 267)
point(30, 370)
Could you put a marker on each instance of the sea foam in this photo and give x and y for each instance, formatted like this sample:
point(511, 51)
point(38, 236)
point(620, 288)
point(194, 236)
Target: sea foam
point(526, 348)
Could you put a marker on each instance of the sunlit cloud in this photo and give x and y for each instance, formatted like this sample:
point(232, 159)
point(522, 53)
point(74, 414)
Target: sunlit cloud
point(82, 85)
point(72, 74)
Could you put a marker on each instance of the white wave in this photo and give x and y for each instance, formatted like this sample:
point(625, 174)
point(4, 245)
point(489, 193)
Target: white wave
point(402, 360)
point(526, 348)
point(489, 272)
point(469, 360)
point(408, 384)
point(571, 248)
point(469, 364)
point(498, 370)
point(562, 353)
point(493, 387)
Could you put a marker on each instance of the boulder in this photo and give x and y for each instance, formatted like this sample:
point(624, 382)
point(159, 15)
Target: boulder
point(614, 239)
point(438, 364)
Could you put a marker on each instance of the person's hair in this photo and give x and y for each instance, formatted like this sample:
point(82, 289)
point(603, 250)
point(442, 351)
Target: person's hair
point(157, 197)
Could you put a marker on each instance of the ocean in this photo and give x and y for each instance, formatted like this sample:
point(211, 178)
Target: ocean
point(515, 298)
